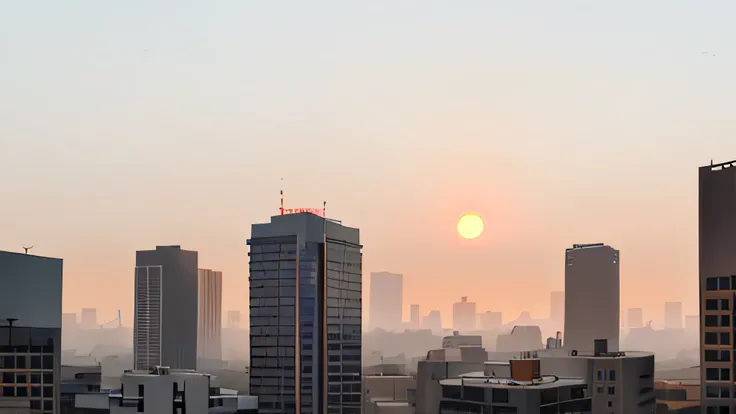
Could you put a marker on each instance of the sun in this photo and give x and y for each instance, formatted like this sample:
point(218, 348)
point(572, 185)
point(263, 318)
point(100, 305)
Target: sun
point(470, 226)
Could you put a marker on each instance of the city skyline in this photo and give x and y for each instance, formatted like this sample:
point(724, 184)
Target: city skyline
point(591, 115)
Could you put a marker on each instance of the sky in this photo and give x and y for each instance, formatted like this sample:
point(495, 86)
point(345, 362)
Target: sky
point(126, 126)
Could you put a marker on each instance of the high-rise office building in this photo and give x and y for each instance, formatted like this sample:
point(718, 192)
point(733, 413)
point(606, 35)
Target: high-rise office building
point(209, 322)
point(634, 318)
point(433, 321)
point(490, 321)
point(166, 307)
point(717, 267)
point(387, 300)
point(89, 319)
point(30, 333)
point(592, 296)
point(557, 309)
point(305, 315)
point(414, 316)
point(233, 319)
point(463, 315)
point(673, 315)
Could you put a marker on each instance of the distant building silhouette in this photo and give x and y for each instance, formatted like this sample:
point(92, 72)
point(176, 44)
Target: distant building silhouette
point(490, 321)
point(433, 321)
point(673, 315)
point(69, 321)
point(717, 265)
point(166, 308)
point(463, 315)
point(635, 318)
point(233, 319)
point(557, 309)
point(592, 296)
point(295, 350)
point(30, 333)
point(387, 300)
point(209, 322)
point(89, 319)
point(414, 316)
point(692, 324)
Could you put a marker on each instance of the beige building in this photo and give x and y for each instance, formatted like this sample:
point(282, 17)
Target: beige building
point(387, 394)
point(209, 320)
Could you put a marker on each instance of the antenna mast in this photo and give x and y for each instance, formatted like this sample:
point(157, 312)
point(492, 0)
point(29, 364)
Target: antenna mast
point(282, 197)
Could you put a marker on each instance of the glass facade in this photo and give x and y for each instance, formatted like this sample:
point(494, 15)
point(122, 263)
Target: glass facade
point(321, 360)
point(148, 312)
point(29, 358)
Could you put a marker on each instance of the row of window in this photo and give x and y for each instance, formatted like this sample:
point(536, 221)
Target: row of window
point(718, 338)
point(712, 391)
point(717, 304)
point(611, 375)
point(601, 390)
point(712, 355)
point(723, 409)
point(720, 283)
point(716, 321)
point(25, 361)
point(718, 374)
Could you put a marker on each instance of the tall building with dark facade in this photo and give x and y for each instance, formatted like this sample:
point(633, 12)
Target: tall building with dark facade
point(305, 315)
point(717, 275)
point(30, 333)
point(166, 308)
point(592, 297)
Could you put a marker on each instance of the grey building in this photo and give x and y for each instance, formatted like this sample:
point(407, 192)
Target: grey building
point(305, 337)
point(717, 276)
point(166, 308)
point(209, 328)
point(592, 296)
point(30, 338)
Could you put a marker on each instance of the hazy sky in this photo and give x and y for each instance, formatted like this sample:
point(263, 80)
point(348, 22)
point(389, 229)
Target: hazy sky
point(127, 125)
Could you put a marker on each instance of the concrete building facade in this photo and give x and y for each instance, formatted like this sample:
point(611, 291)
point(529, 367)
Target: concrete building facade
point(88, 319)
point(166, 308)
point(592, 296)
point(209, 322)
point(386, 301)
point(30, 335)
point(305, 315)
point(490, 321)
point(717, 276)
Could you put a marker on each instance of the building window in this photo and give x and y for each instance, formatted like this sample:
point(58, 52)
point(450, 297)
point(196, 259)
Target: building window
point(612, 375)
point(725, 338)
point(724, 283)
point(711, 338)
point(601, 375)
point(711, 321)
point(610, 403)
point(711, 304)
point(711, 283)
point(724, 304)
point(500, 395)
point(611, 390)
point(599, 390)
point(725, 320)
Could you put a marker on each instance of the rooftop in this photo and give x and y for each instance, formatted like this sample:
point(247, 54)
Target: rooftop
point(546, 382)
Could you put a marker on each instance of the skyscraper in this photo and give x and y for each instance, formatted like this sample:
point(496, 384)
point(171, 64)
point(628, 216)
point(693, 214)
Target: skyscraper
point(209, 322)
point(30, 333)
point(673, 315)
point(463, 315)
point(592, 295)
point(387, 300)
point(89, 318)
point(305, 336)
point(414, 316)
point(717, 274)
point(433, 321)
point(233, 319)
point(557, 309)
point(635, 318)
point(165, 319)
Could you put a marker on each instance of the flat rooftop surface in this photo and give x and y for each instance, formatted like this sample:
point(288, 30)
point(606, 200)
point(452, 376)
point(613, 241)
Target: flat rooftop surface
point(546, 382)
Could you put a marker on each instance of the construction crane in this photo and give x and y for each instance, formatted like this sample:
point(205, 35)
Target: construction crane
point(119, 320)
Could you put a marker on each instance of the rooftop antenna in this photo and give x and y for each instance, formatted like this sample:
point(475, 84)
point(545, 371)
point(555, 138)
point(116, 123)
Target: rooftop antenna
point(282, 197)
point(324, 209)
point(27, 248)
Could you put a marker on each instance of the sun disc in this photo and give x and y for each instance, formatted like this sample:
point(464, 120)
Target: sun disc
point(470, 226)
